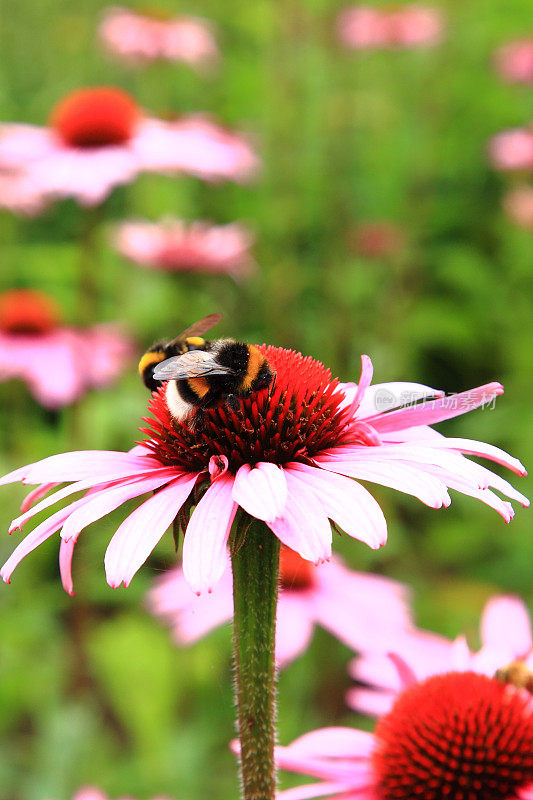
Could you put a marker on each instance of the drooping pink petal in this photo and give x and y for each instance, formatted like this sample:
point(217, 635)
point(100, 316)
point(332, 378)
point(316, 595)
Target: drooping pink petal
point(374, 703)
point(347, 503)
point(482, 449)
point(38, 535)
point(506, 623)
point(304, 526)
point(66, 549)
point(261, 491)
point(432, 411)
point(36, 494)
point(335, 743)
point(204, 545)
point(141, 531)
point(294, 627)
point(324, 789)
point(108, 499)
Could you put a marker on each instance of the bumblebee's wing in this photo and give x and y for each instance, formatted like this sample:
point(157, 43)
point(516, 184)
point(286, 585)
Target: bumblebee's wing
point(198, 328)
point(193, 364)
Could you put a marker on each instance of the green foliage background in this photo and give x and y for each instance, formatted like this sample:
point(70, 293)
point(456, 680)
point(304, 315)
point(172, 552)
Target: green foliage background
point(92, 691)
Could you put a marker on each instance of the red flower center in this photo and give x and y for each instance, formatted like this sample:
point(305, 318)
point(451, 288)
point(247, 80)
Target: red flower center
point(296, 418)
point(25, 311)
point(458, 736)
point(295, 574)
point(95, 117)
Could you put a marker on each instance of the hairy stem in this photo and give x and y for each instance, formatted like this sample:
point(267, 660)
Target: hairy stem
point(255, 564)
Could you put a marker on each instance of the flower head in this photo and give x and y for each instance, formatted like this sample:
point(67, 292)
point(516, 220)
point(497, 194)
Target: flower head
point(58, 363)
point(512, 149)
point(139, 38)
point(456, 732)
point(360, 609)
point(514, 61)
point(407, 26)
point(196, 247)
point(99, 138)
point(287, 455)
point(506, 639)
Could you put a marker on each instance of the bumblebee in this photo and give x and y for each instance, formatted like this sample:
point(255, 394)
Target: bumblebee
point(517, 674)
point(189, 339)
point(217, 374)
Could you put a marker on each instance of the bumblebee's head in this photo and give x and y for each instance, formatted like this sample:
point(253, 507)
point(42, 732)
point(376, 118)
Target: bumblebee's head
point(148, 363)
point(263, 378)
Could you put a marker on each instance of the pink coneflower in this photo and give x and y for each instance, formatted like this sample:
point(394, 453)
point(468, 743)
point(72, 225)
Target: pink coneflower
point(514, 61)
point(140, 38)
point(286, 457)
point(506, 638)
point(406, 26)
point(512, 149)
point(197, 246)
point(518, 203)
point(99, 138)
point(58, 363)
point(460, 729)
point(360, 609)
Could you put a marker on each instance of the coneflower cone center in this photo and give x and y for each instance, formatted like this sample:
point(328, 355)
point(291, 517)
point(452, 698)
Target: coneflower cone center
point(457, 736)
point(296, 418)
point(95, 117)
point(27, 312)
point(295, 573)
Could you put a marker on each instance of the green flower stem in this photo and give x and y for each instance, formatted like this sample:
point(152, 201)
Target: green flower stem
point(255, 564)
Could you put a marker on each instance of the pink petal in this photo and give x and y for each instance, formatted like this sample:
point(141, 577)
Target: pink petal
point(108, 499)
point(141, 531)
point(38, 535)
point(35, 494)
point(347, 503)
point(386, 396)
point(506, 624)
point(433, 411)
point(82, 464)
point(66, 550)
point(373, 703)
point(304, 527)
point(399, 476)
point(334, 742)
point(204, 545)
point(474, 448)
point(294, 628)
point(367, 370)
point(312, 790)
point(262, 491)
point(406, 675)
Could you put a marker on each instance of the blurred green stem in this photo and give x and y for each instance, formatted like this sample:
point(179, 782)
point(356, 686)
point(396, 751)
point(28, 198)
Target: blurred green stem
point(88, 294)
point(255, 564)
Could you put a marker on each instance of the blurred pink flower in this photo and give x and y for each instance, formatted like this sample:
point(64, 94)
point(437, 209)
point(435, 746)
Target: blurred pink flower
point(176, 245)
point(451, 728)
point(286, 458)
point(360, 609)
point(505, 633)
point(140, 38)
point(518, 203)
point(512, 149)
point(514, 61)
point(408, 26)
point(19, 195)
point(98, 138)
point(58, 363)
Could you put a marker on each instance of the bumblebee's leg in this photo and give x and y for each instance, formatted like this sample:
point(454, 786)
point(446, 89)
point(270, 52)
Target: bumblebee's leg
point(232, 401)
point(197, 420)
